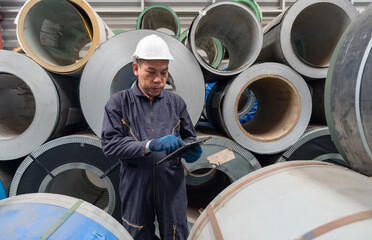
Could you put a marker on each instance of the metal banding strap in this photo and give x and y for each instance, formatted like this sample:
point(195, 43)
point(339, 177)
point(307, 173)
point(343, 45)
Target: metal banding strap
point(336, 224)
point(214, 166)
point(170, 17)
point(60, 221)
point(265, 173)
point(254, 177)
point(212, 218)
point(110, 169)
point(357, 98)
point(42, 166)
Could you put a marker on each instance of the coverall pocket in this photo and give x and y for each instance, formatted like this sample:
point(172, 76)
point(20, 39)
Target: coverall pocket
point(131, 225)
point(176, 164)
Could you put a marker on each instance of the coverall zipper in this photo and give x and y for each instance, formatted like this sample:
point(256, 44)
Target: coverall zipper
point(153, 156)
point(174, 232)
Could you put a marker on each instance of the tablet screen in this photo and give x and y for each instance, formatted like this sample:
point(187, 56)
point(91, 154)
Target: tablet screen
point(180, 150)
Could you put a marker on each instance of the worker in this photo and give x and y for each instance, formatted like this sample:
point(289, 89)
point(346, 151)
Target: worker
point(141, 126)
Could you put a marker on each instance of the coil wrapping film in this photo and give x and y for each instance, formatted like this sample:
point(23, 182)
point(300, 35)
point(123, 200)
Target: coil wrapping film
point(50, 201)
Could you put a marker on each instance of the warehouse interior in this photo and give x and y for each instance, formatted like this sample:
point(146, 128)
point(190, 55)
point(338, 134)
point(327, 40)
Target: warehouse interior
point(280, 88)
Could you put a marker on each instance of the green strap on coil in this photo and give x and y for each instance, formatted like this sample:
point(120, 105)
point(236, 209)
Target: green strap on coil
point(61, 220)
point(183, 36)
point(116, 32)
point(254, 6)
point(220, 50)
point(139, 19)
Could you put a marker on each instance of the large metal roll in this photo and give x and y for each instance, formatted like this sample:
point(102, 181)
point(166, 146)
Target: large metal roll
point(55, 216)
point(7, 171)
point(317, 95)
point(3, 194)
point(110, 70)
point(316, 144)
point(221, 156)
point(213, 106)
point(283, 108)
point(210, 48)
point(75, 166)
point(223, 162)
point(295, 200)
point(254, 6)
point(238, 29)
point(60, 35)
point(348, 98)
point(306, 34)
point(160, 18)
point(34, 105)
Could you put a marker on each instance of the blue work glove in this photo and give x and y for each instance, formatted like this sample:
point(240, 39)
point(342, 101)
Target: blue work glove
point(192, 154)
point(169, 143)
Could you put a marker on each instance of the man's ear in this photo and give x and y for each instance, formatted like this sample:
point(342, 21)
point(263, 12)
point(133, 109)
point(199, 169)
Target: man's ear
point(135, 68)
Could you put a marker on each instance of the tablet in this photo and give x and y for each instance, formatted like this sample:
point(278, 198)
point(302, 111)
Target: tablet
point(180, 150)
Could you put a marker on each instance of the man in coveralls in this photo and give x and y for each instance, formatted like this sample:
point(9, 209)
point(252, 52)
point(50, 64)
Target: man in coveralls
point(141, 126)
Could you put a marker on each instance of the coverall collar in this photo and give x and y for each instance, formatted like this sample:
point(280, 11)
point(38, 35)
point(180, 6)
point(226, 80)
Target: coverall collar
point(137, 91)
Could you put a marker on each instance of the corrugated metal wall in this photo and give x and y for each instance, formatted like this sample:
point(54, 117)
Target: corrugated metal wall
point(122, 14)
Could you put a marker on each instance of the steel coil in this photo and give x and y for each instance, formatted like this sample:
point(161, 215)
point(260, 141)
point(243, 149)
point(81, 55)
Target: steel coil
point(55, 216)
point(222, 155)
point(210, 48)
point(247, 105)
point(223, 162)
point(347, 94)
point(316, 144)
point(161, 18)
point(3, 194)
point(306, 34)
point(60, 35)
point(283, 108)
point(7, 171)
point(34, 105)
point(115, 57)
point(72, 165)
point(317, 95)
point(237, 27)
point(254, 6)
point(213, 106)
point(337, 209)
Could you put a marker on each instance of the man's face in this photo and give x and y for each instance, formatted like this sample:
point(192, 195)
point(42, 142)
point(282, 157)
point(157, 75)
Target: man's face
point(152, 75)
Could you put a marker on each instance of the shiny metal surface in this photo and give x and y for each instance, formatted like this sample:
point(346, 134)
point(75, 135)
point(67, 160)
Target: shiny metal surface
point(238, 29)
point(115, 58)
point(60, 35)
point(263, 197)
point(306, 34)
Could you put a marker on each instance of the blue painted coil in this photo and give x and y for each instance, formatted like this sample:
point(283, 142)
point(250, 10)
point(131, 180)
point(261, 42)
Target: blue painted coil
point(56, 217)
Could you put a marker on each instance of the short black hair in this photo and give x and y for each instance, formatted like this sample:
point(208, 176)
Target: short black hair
point(139, 61)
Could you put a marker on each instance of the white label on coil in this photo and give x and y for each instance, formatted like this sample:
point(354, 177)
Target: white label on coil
point(221, 157)
point(49, 33)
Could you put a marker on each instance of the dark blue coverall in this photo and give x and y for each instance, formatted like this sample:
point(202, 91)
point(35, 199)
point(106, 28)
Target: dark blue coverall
point(131, 120)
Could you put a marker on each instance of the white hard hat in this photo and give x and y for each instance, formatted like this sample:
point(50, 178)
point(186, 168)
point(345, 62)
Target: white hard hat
point(152, 47)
